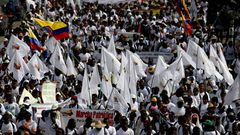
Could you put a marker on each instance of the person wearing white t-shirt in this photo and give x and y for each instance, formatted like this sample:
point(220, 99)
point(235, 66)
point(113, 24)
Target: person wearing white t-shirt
point(28, 124)
point(7, 126)
point(86, 128)
point(111, 129)
point(124, 130)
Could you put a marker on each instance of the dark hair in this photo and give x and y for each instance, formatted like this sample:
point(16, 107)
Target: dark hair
point(71, 124)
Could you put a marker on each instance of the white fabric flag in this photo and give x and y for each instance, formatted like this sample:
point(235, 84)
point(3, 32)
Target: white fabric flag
point(221, 66)
point(111, 47)
point(106, 85)
point(51, 44)
point(95, 80)
point(172, 75)
point(207, 65)
point(221, 56)
point(37, 68)
point(192, 50)
point(26, 93)
point(71, 70)
point(18, 67)
point(85, 94)
point(132, 76)
point(16, 44)
point(118, 102)
point(109, 60)
point(57, 60)
point(234, 92)
point(187, 59)
point(139, 64)
point(123, 86)
point(159, 68)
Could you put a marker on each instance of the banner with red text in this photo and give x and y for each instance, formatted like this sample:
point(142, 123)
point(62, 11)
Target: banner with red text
point(80, 115)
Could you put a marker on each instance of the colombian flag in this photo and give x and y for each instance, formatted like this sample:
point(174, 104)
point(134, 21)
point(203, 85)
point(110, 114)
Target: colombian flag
point(34, 43)
point(186, 25)
point(59, 30)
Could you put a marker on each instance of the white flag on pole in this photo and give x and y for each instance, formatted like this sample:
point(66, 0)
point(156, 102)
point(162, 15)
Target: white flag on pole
point(118, 102)
point(95, 80)
point(234, 92)
point(111, 47)
point(51, 44)
point(57, 60)
point(85, 94)
point(16, 44)
point(36, 67)
point(71, 70)
point(18, 67)
point(187, 59)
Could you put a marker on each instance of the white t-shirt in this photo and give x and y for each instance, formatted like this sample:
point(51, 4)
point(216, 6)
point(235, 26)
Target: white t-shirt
point(128, 132)
point(94, 131)
point(31, 125)
point(9, 128)
point(81, 130)
point(111, 130)
point(12, 108)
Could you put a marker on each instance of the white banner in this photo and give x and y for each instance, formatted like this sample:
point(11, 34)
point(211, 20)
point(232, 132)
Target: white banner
point(80, 115)
point(49, 92)
point(108, 1)
point(40, 107)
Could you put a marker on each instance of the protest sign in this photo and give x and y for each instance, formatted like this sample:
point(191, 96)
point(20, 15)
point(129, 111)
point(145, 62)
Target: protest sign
point(80, 115)
point(26, 93)
point(40, 107)
point(108, 1)
point(49, 92)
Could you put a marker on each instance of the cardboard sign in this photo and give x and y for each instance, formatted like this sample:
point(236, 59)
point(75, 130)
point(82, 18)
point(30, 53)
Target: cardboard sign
point(80, 115)
point(49, 92)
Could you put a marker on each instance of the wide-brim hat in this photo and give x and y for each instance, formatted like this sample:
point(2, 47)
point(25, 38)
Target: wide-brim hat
point(98, 124)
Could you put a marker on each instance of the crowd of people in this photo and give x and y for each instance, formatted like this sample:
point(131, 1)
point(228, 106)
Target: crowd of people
point(195, 107)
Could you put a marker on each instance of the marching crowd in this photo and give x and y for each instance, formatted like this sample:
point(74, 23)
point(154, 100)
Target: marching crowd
point(196, 106)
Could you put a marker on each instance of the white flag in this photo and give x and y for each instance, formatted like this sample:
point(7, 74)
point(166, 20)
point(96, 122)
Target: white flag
point(106, 86)
point(234, 92)
point(18, 67)
point(71, 70)
point(192, 50)
point(132, 76)
point(110, 61)
point(51, 44)
point(221, 66)
point(124, 87)
point(139, 64)
point(57, 60)
point(85, 94)
point(111, 47)
point(187, 59)
point(16, 44)
point(95, 80)
point(118, 102)
point(26, 93)
point(159, 68)
point(36, 67)
point(221, 56)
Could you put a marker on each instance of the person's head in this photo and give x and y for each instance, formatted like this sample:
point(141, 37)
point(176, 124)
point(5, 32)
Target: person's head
point(7, 117)
point(205, 99)
point(27, 116)
point(98, 125)
point(196, 131)
point(195, 118)
point(154, 101)
point(124, 122)
point(132, 115)
point(88, 122)
point(71, 124)
point(59, 131)
point(171, 116)
point(94, 99)
point(231, 116)
point(74, 100)
point(201, 87)
point(180, 103)
point(133, 98)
